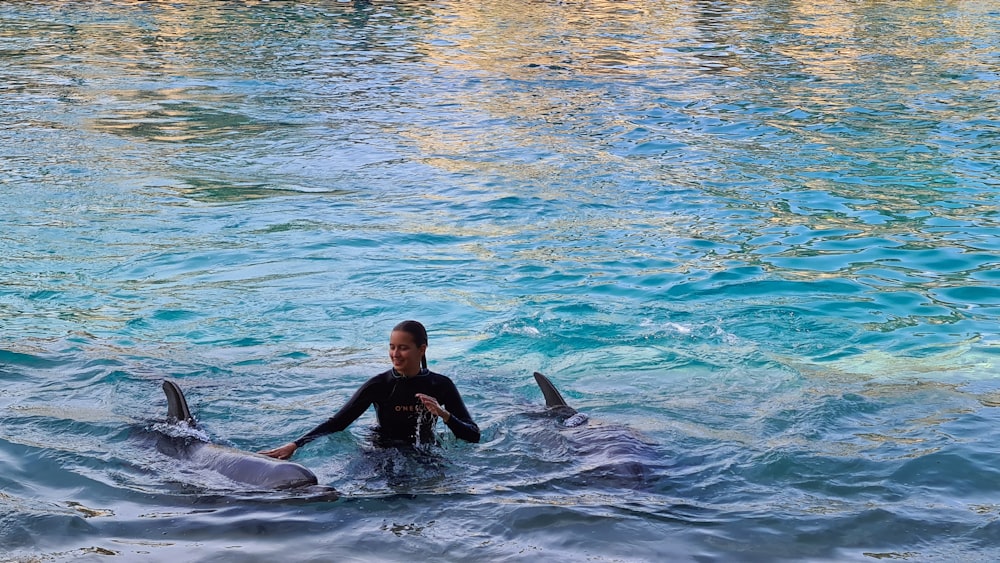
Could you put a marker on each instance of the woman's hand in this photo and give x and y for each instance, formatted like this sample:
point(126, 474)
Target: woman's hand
point(431, 404)
point(282, 452)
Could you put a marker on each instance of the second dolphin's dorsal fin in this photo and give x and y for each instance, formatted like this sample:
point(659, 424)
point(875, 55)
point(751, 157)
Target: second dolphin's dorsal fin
point(177, 407)
point(556, 404)
point(549, 391)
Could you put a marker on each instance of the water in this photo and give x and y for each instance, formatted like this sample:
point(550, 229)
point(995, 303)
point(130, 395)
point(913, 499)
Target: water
point(755, 241)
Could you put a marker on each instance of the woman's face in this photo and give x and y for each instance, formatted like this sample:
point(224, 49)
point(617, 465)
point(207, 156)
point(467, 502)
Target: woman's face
point(404, 354)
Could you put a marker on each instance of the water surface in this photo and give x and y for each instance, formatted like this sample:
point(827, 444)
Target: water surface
point(755, 241)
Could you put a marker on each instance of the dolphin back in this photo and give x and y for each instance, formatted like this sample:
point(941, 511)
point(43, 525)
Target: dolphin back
point(253, 469)
point(177, 407)
point(549, 391)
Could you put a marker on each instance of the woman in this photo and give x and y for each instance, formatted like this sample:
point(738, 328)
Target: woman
point(408, 398)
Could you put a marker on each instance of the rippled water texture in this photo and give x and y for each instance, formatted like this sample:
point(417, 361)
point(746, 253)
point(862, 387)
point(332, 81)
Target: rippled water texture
point(755, 241)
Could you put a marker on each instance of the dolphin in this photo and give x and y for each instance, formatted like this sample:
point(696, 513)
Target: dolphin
point(240, 466)
point(610, 450)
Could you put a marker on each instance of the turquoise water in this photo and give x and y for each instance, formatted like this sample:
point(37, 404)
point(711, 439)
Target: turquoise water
point(756, 241)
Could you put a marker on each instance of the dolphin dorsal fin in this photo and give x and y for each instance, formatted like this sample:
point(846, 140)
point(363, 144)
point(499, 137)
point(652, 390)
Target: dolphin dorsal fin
point(549, 391)
point(556, 404)
point(177, 407)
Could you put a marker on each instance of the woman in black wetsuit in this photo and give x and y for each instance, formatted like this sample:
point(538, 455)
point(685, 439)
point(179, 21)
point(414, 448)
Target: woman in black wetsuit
point(408, 397)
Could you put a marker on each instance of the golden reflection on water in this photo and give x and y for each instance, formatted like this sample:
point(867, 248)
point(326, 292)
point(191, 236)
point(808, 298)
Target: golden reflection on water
point(554, 101)
point(506, 39)
point(544, 100)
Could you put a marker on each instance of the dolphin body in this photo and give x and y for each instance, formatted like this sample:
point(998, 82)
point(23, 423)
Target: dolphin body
point(611, 451)
point(240, 466)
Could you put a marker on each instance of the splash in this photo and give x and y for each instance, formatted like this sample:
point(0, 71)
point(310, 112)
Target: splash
point(577, 419)
point(180, 430)
point(424, 417)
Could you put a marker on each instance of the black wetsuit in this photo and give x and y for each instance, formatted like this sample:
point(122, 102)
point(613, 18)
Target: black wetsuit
point(399, 410)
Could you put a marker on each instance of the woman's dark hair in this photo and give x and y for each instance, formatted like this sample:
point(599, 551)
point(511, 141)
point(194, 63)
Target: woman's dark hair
point(419, 334)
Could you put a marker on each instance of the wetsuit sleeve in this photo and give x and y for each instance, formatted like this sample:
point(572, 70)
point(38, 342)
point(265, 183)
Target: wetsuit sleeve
point(355, 407)
point(460, 423)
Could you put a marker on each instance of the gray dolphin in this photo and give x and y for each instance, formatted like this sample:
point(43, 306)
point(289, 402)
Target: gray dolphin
point(243, 467)
point(611, 450)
